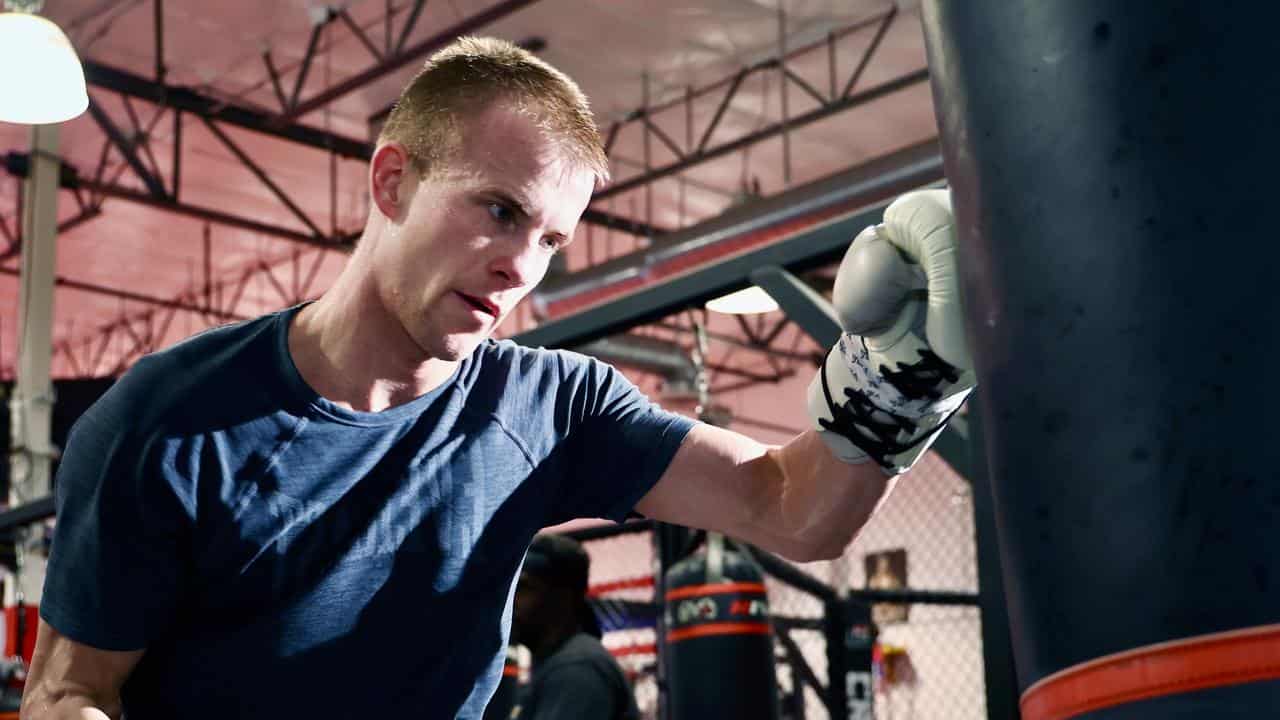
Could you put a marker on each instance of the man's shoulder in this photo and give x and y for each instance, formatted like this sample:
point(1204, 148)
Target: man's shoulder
point(207, 370)
point(510, 352)
point(581, 649)
point(507, 358)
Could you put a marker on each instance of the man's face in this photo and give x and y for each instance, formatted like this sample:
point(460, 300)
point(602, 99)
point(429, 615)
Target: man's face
point(477, 234)
point(530, 609)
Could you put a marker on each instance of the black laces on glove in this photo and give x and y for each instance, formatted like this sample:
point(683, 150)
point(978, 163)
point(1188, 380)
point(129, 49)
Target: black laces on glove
point(923, 379)
point(880, 427)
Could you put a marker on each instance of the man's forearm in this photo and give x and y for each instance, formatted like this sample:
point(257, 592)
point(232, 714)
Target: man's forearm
point(797, 500)
point(816, 501)
point(66, 707)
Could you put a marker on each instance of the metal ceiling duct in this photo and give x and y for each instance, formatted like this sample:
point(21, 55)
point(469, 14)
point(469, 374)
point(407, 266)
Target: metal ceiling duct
point(682, 390)
point(649, 354)
point(742, 228)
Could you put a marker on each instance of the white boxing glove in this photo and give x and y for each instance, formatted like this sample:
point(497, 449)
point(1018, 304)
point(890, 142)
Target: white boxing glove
point(901, 368)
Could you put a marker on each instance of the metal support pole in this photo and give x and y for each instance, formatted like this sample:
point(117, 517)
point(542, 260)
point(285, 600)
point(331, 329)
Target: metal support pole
point(850, 636)
point(801, 303)
point(31, 407)
point(835, 626)
point(157, 7)
point(648, 149)
point(782, 94)
point(688, 148)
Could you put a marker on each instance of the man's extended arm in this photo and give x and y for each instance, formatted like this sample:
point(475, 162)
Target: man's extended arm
point(72, 681)
point(897, 375)
point(796, 500)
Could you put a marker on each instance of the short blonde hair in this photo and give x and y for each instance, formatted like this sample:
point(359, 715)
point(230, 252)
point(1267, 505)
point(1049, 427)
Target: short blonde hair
point(461, 79)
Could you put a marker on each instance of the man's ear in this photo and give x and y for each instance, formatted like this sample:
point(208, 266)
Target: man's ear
point(390, 167)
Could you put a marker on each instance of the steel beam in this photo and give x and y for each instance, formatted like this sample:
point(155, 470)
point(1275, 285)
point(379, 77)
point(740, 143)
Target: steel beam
point(274, 75)
point(122, 294)
point(805, 205)
point(183, 99)
point(359, 33)
point(157, 22)
point(801, 303)
point(703, 155)
point(127, 149)
point(262, 176)
point(17, 164)
point(301, 79)
point(627, 225)
point(808, 249)
point(871, 50)
point(9, 237)
point(828, 42)
point(249, 118)
point(533, 44)
point(467, 26)
point(409, 25)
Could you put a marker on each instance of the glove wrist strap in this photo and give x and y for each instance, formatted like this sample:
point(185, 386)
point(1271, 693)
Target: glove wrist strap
point(892, 415)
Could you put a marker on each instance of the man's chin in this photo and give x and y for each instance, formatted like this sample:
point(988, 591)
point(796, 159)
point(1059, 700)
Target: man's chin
point(459, 345)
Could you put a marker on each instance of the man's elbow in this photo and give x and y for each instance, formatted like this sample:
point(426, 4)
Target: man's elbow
point(70, 707)
point(64, 700)
point(812, 550)
point(826, 552)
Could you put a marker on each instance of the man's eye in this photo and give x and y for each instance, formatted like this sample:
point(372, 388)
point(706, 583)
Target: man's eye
point(552, 242)
point(501, 213)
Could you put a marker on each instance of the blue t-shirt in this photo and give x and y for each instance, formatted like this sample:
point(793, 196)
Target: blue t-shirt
point(280, 556)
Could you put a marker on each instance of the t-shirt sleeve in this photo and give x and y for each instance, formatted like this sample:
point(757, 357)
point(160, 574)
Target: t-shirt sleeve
point(618, 444)
point(116, 563)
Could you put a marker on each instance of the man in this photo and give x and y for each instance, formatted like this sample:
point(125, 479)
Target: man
point(573, 675)
point(322, 512)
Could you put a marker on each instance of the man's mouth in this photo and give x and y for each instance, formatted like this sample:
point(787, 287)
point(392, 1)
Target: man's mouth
point(480, 304)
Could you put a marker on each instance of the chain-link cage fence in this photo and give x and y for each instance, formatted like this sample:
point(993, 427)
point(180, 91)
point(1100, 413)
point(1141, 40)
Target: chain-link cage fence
point(932, 665)
point(622, 595)
point(926, 662)
point(927, 656)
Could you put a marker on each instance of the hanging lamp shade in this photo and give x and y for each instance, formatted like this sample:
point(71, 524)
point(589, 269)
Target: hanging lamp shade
point(41, 79)
point(750, 301)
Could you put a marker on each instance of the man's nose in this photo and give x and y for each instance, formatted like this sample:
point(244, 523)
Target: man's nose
point(520, 263)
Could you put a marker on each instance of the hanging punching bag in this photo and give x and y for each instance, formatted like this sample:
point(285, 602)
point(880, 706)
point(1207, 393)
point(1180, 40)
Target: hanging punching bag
point(719, 643)
point(1113, 168)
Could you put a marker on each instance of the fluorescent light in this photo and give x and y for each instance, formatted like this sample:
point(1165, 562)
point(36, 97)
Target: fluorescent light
point(41, 80)
point(750, 301)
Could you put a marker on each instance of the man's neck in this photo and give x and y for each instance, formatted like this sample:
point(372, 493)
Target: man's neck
point(355, 354)
point(552, 642)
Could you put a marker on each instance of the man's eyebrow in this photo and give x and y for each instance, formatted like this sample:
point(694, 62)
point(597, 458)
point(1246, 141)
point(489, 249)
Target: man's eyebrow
point(522, 209)
point(511, 199)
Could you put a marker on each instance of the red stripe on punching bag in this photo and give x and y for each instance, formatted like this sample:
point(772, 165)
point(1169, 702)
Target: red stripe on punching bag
point(715, 589)
point(1198, 663)
point(711, 629)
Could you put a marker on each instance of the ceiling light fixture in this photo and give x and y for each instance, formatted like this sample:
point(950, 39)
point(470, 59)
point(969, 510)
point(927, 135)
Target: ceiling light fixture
point(751, 301)
point(41, 79)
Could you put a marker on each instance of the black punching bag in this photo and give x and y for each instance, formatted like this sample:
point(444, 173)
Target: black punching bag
point(719, 643)
point(1113, 165)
